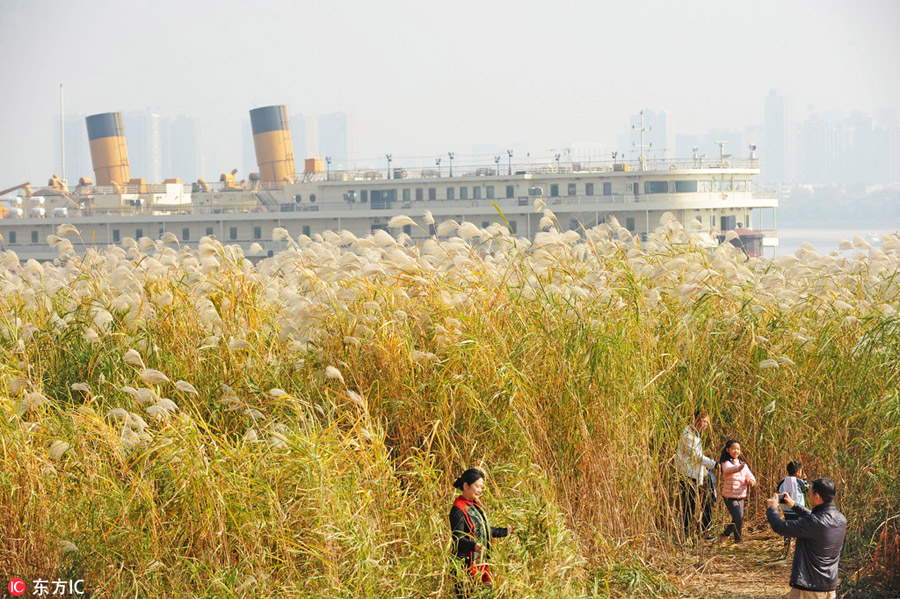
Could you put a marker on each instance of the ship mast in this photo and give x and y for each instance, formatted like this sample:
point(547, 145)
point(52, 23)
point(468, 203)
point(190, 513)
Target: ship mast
point(62, 132)
point(643, 158)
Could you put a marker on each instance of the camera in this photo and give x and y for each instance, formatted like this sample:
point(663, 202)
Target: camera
point(781, 498)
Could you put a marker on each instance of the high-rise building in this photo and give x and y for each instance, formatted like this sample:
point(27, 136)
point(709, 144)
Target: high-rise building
point(855, 150)
point(142, 134)
point(78, 152)
point(889, 118)
point(777, 150)
point(894, 155)
point(321, 136)
point(843, 150)
point(870, 151)
point(304, 137)
point(335, 140)
point(248, 152)
point(817, 152)
point(180, 145)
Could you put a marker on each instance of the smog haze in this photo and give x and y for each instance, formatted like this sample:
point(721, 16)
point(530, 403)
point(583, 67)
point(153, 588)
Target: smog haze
point(426, 78)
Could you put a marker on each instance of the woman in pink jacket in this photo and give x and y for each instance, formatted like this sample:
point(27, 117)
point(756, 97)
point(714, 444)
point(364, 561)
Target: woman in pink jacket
point(736, 481)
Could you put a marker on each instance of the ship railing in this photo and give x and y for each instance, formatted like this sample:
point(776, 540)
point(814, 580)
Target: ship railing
point(130, 188)
point(482, 204)
point(128, 209)
point(480, 169)
point(186, 188)
point(467, 170)
point(630, 198)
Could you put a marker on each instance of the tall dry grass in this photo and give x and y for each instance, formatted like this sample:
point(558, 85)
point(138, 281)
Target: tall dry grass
point(309, 412)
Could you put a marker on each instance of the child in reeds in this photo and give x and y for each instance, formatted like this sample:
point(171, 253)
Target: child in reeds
point(736, 482)
point(795, 485)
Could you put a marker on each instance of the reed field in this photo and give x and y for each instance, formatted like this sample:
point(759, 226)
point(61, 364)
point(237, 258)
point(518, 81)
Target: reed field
point(188, 423)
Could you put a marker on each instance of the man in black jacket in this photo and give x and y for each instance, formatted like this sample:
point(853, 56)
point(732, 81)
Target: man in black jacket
point(820, 536)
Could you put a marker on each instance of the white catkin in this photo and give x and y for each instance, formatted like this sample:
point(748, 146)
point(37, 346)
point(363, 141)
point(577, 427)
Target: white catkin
point(153, 377)
point(186, 387)
point(236, 344)
point(401, 220)
point(57, 449)
point(67, 229)
point(333, 373)
point(133, 357)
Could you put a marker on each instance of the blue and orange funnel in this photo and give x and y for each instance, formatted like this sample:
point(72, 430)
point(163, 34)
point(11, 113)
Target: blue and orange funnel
point(109, 154)
point(272, 141)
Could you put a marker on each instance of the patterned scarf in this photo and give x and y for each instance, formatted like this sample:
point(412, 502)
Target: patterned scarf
point(480, 533)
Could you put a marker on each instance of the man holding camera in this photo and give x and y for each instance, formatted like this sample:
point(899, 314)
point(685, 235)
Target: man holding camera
point(820, 536)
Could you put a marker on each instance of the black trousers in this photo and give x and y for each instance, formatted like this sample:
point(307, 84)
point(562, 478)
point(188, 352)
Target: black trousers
point(736, 509)
point(695, 498)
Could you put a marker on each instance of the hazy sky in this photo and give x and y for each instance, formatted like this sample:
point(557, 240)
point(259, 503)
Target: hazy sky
point(428, 77)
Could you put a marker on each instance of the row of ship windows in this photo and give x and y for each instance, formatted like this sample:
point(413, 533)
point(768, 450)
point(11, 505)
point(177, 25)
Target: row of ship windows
point(728, 223)
point(716, 185)
point(138, 233)
point(433, 231)
point(232, 232)
point(381, 195)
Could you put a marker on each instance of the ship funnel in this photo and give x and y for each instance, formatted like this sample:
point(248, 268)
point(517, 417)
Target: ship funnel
point(272, 140)
point(109, 153)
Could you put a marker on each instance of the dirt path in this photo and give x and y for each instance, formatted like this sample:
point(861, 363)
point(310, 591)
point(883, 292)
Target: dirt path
point(755, 569)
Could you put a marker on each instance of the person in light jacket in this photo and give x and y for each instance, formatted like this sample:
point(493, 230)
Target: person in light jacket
point(820, 534)
point(736, 482)
point(692, 467)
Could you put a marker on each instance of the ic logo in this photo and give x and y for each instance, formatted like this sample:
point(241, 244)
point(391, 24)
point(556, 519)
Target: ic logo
point(16, 587)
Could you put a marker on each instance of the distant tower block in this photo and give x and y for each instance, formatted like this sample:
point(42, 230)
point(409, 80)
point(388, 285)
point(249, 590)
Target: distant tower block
point(272, 140)
point(109, 153)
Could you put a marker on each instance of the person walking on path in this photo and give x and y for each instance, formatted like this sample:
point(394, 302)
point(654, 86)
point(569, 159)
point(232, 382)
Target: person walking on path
point(692, 466)
point(820, 536)
point(736, 482)
point(472, 534)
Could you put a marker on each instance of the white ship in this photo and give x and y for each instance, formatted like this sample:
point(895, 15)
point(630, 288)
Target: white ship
point(718, 194)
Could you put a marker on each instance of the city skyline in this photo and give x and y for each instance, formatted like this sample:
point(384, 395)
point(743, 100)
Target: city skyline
point(815, 149)
point(422, 79)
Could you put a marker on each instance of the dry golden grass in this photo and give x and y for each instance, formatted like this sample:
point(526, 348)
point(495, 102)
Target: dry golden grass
point(292, 427)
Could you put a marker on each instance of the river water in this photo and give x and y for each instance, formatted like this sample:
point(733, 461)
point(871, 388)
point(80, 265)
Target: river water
point(826, 240)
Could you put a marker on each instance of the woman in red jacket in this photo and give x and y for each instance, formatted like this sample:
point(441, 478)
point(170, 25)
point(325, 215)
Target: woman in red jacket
point(471, 532)
point(736, 481)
